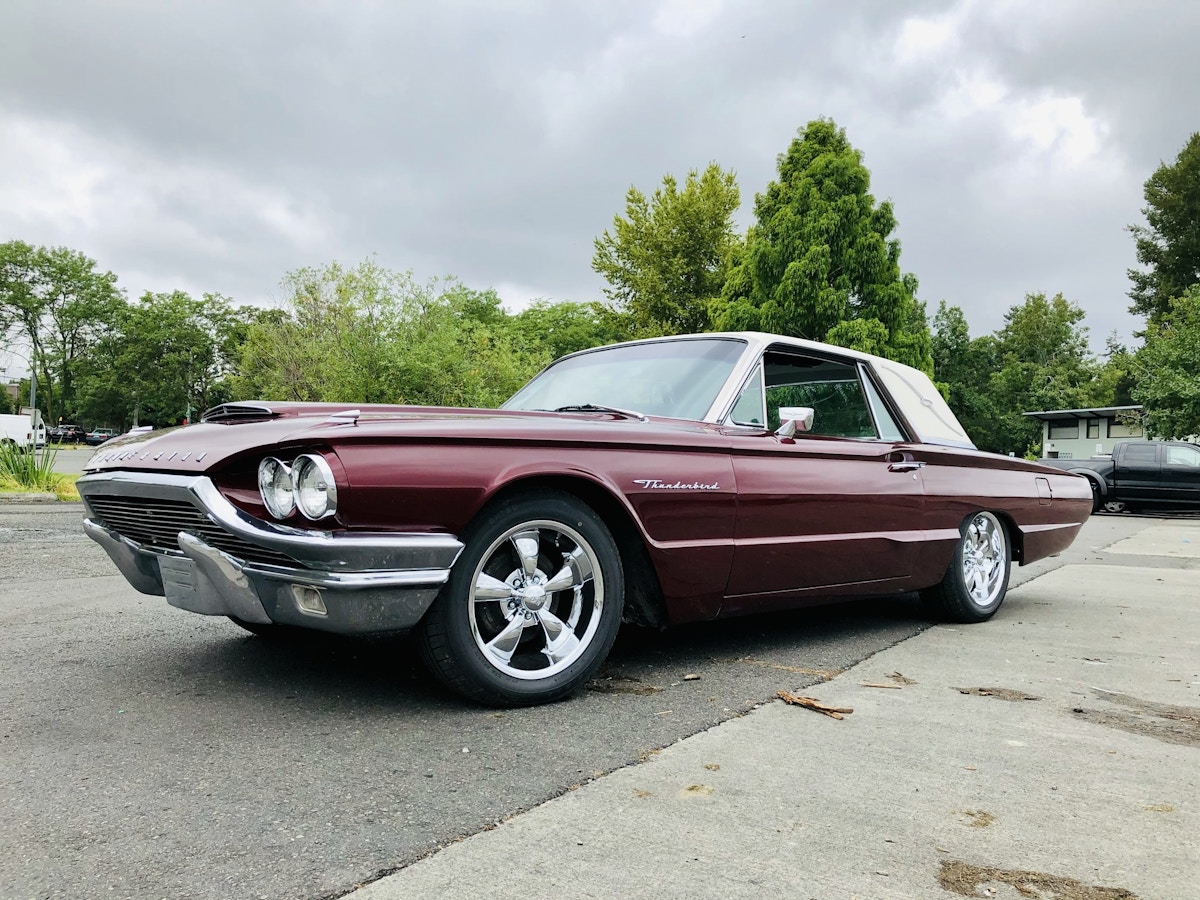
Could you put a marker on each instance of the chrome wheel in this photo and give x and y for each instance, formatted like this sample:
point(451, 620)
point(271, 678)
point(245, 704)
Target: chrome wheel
point(536, 599)
point(1114, 506)
point(984, 559)
point(977, 578)
point(532, 606)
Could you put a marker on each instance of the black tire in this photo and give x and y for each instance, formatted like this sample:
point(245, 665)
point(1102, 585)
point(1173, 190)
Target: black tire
point(1097, 496)
point(499, 632)
point(977, 579)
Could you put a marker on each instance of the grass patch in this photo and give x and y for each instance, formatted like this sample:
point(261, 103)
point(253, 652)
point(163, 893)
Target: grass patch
point(22, 471)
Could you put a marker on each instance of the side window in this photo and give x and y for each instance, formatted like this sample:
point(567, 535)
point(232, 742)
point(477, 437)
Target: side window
point(1139, 454)
point(832, 389)
point(1183, 456)
point(748, 410)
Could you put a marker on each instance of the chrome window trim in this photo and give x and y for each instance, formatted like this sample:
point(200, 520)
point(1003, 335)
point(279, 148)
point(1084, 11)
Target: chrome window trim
point(872, 390)
point(756, 372)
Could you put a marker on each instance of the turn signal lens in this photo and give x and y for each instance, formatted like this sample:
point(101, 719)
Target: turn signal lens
point(275, 485)
point(315, 492)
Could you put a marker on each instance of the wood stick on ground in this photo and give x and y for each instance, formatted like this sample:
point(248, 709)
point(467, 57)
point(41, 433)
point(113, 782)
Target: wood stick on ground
point(834, 712)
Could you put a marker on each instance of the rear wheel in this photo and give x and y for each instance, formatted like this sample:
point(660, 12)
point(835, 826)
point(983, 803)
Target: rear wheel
point(977, 580)
point(1115, 506)
point(532, 606)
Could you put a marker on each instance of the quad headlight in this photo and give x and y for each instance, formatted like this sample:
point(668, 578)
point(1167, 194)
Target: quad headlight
point(306, 485)
point(312, 484)
point(275, 485)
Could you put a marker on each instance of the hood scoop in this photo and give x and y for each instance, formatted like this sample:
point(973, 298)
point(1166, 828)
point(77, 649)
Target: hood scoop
point(238, 412)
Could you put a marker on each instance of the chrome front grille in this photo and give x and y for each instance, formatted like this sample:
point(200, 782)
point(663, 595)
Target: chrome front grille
point(155, 524)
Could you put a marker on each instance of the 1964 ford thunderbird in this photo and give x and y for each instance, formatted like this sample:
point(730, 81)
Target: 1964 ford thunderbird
point(659, 481)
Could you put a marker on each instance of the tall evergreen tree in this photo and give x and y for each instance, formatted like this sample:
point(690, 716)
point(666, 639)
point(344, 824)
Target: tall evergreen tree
point(1043, 363)
point(820, 262)
point(1165, 369)
point(963, 367)
point(1169, 243)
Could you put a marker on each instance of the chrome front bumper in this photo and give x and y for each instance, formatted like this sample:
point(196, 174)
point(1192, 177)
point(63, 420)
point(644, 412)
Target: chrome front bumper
point(344, 582)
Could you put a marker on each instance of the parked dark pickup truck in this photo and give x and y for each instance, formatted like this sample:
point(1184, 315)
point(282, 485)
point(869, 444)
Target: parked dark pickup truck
point(1141, 474)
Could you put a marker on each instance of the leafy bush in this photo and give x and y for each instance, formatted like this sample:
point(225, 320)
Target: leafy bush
point(22, 469)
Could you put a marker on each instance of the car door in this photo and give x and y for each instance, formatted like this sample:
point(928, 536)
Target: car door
point(836, 510)
point(1138, 473)
point(1181, 474)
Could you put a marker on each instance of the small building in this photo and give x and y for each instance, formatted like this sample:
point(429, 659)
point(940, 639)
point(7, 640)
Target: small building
point(1082, 433)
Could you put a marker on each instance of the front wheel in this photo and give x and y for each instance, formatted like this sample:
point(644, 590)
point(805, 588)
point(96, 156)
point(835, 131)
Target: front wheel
point(532, 606)
point(977, 580)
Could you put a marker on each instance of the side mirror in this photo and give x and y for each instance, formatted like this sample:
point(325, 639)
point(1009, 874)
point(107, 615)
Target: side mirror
point(793, 419)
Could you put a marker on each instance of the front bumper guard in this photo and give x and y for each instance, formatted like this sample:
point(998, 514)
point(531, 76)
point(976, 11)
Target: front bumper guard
point(343, 592)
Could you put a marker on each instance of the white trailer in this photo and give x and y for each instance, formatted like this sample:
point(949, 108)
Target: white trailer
point(19, 430)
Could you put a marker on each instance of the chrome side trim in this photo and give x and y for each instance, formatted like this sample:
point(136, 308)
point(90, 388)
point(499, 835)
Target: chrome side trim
point(351, 580)
point(319, 550)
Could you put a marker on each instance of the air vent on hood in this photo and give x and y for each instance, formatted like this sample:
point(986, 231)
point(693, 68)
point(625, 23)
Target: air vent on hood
point(238, 412)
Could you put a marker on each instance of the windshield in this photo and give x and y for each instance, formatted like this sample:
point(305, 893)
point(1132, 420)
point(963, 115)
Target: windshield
point(679, 379)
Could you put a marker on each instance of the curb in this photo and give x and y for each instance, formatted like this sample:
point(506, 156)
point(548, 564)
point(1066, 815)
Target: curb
point(32, 497)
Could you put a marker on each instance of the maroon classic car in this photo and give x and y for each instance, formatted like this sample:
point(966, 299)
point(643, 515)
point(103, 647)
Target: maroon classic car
point(659, 481)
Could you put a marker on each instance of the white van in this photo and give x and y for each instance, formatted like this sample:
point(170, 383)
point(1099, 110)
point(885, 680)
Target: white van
point(19, 430)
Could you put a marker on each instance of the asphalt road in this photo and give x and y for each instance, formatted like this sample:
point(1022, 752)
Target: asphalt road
point(147, 752)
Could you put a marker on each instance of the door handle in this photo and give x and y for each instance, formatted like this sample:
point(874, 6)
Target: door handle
point(899, 461)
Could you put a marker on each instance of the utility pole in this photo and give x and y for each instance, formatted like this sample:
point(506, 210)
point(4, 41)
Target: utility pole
point(34, 418)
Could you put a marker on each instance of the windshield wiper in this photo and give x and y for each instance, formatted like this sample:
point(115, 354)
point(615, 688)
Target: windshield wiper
point(592, 407)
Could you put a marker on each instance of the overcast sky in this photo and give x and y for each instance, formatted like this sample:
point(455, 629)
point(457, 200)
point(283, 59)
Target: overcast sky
point(213, 146)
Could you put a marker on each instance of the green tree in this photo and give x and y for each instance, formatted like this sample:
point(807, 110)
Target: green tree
point(1115, 381)
point(963, 368)
point(820, 262)
point(55, 302)
point(1043, 362)
point(1165, 370)
point(369, 335)
point(169, 358)
point(1169, 243)
point(562, 328)
point(666, 260)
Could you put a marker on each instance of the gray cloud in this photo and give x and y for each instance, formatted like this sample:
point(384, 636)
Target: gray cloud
point(215, 146)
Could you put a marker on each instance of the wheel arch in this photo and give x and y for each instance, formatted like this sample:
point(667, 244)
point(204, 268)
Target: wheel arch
point(644, 603)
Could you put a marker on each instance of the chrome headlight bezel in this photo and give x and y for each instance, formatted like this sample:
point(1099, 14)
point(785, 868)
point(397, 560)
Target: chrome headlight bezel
point(311, 473)
point(276, 487)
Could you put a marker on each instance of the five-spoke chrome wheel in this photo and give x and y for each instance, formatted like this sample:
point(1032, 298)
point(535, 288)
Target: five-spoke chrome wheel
point(977, 578)
point(532, 606)
point(536, 599)
point(984, 558)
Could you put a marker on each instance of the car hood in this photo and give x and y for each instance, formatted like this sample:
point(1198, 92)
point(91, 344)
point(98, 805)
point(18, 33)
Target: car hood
point(208, 445)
